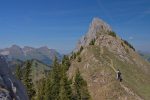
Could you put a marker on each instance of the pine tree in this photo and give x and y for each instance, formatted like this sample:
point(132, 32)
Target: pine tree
point(28, 81)
point(41, 89)
point(65, 88)
point(18, 73)
point(58, 87)
point(53, 82)
point(66, 62)
point(80, 88)
point(47, 95)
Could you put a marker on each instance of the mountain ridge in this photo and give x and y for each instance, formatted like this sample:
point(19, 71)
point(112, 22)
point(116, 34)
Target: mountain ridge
point(99, 54)
point(43, 54)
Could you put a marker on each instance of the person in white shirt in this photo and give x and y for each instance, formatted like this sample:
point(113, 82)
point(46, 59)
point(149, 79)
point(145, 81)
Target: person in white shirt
point(119, 75)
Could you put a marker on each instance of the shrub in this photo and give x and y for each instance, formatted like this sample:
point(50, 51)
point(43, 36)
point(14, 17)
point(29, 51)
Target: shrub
point(128, 44)
point(79, 52)
point(79, 59)
point(92, 42)
point(81, 48)
point(112, 33)
point(73, 55)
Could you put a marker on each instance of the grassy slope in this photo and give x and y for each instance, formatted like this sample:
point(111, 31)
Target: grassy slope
point(134, 77)
point(96, 69)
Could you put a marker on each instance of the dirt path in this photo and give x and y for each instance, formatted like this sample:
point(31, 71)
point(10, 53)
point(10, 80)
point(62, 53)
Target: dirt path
point(102, 50)
point(112, 64)
point(129, 91)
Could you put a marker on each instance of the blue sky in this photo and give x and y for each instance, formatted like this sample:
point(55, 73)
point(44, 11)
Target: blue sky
point(59, 24)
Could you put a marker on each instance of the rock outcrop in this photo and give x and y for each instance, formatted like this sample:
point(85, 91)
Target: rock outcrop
point(10, 87)
point(97, 27)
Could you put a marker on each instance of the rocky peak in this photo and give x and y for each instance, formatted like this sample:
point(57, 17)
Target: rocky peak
point(27, 47)
point(98, 25)
point(102, 36)
point(96, 28)
point(45, 48)
point(15, 47)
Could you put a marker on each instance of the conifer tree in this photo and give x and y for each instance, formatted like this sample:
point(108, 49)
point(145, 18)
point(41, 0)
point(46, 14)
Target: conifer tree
point(47, 90)
point(18, 73)
point(41, 89)
point(66, 62)
point(80, 87)
point(28, 81)
point(65, 88)
point(53, 82)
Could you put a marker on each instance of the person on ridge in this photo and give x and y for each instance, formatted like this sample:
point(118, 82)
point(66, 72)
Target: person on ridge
point(119, 75)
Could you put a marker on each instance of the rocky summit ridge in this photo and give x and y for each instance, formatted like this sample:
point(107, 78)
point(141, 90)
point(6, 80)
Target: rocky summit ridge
point(97, 27)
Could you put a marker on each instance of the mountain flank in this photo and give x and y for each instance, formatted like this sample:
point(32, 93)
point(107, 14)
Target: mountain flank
point(99, 54)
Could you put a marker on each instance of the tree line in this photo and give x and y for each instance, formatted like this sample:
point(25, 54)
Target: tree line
point(56, 85)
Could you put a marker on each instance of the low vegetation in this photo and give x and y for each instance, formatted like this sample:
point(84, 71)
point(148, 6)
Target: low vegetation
point(79, 59)
point(75, 55)
point(92, 42)
point(128, 44)
point(112, 33)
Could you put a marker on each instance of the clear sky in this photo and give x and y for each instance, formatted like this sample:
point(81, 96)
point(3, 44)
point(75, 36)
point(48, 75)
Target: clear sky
point(59, 24)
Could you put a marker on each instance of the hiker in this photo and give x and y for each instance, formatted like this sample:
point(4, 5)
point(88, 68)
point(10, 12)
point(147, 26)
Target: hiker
point(119, 75)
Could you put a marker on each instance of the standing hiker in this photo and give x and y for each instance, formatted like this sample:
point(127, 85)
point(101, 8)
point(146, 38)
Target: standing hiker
point(119, 75)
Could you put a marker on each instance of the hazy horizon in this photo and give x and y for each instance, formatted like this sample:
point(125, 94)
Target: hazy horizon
point(60, 24)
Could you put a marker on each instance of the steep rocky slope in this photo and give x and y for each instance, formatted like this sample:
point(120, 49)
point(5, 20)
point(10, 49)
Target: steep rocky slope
point(100, 59)
point(10, 87)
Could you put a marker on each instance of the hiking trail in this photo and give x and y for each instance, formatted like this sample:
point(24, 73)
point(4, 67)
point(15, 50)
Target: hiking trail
point(129, 91)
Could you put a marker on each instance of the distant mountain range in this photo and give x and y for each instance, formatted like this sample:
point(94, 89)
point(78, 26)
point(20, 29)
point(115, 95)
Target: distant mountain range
point(43, 54)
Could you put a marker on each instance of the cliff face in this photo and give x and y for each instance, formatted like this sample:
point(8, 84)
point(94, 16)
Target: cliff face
point(100, 60)
point(10, 87)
